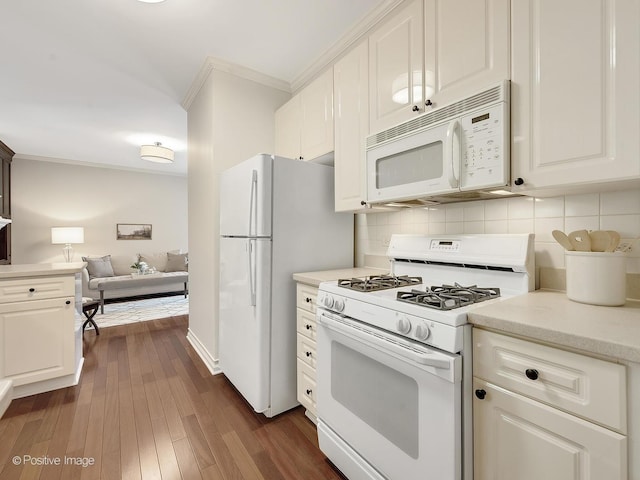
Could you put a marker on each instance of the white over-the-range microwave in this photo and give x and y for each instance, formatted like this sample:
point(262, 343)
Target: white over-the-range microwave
point(456, 152)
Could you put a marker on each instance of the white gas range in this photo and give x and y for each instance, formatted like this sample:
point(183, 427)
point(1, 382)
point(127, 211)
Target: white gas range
point(394, 369)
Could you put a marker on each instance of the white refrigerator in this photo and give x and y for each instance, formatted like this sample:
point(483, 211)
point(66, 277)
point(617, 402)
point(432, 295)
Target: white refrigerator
point(276, 218)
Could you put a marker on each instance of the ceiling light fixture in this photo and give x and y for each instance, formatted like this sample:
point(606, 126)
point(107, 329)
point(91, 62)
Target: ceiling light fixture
point(151, 1)
point(156, 153)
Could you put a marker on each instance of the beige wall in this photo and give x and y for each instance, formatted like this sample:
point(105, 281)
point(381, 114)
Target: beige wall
point(47, 194)
point(230, 120)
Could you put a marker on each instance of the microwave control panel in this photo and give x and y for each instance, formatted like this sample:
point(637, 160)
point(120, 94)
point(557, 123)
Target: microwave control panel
point(484, 154)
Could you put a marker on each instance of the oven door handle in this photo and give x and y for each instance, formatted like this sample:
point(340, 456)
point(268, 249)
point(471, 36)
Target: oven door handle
point(380, 340)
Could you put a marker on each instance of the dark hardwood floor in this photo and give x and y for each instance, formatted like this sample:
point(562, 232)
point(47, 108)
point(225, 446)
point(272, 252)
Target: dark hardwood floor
point(147, 407)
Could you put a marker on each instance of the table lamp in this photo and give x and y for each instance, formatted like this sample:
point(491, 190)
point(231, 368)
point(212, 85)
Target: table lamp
point(67, 236)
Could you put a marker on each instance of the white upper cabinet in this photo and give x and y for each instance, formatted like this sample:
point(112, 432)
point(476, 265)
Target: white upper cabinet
point(434, 52)
point(304, 125)
point(351, 97)
point(396, 67)
point(466, 48)
point(575, 94)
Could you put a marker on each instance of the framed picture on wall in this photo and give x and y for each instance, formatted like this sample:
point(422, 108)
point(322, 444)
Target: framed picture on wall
point(133, 231)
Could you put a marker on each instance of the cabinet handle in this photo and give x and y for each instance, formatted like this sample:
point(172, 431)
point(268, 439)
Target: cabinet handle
point(480, 393)
point(363, 203)
point(301, 158)
point(32, 289)
point(415, 108)
point(531, 373)
point(519, 181)
point(68, 302)
point(428, 103)
point(308, 327)
point(309, 391)
point(308, 300)
point(308, 354)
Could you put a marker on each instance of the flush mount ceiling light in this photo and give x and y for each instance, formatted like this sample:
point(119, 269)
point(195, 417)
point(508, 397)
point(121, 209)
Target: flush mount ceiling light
point(156, 153)
point(151, 1)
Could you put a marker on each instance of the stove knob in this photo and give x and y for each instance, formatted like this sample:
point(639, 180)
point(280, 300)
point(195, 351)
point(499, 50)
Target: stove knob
point(422, 331)
point(328, 301)
point(338, 305)
point(403, 325)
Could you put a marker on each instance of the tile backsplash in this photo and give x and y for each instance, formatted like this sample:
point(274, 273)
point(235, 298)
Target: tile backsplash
point(618, 211)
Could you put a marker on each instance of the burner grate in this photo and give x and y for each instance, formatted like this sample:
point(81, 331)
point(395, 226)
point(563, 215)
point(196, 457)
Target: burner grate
point(448, 297)
point(374, 283)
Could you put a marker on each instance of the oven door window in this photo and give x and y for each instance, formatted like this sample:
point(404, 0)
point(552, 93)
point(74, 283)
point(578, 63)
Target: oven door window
point(361, 393)
point(402, 417)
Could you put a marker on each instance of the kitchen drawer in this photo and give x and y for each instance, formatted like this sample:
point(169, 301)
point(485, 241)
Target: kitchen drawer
point(306, 297)
point(307, 386)
point(23, 289)
point(590, 388)
point(307, 350)
point(306, 323)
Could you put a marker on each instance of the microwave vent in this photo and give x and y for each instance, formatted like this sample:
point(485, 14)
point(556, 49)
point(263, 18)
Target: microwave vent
point(499, 93)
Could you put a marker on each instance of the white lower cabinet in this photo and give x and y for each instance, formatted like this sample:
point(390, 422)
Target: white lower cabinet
point(306, 350)
point(544, 413)
point(37, 331)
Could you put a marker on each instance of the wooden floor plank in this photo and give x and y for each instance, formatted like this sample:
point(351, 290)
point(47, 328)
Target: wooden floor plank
point(147, 407)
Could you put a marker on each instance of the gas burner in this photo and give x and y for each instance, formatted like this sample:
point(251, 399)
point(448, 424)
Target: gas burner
point(448, 297)
point(379, 282)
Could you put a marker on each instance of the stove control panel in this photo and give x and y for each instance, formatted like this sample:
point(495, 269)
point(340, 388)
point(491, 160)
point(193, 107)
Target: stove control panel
point(445, 245)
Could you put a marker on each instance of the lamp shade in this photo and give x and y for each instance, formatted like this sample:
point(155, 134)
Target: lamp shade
point(63, 235)
point(156, 153)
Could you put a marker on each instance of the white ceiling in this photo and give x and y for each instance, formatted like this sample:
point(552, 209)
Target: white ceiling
point(89, 81)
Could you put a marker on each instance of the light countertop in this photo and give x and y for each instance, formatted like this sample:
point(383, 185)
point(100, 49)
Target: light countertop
point(551, 317)
point(39, 269)
point(315, 278)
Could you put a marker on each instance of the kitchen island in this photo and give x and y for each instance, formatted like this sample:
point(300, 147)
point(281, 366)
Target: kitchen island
point(40, 328)
point(545, 332)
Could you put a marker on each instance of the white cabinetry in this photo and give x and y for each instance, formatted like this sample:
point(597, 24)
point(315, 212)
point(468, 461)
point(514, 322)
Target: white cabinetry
point(541, 412)
point(304, 125)
point(351, 97)
point(466, 47)
point(575, 94)
point(396, 64)
point(430, 53)
point(37, 329)
point(306, 352)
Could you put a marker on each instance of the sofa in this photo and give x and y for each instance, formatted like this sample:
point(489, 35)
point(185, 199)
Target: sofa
point(112, 276)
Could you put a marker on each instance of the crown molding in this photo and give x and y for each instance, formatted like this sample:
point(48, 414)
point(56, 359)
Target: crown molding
point(212, 63)
point(343, 45)
point(37, 158)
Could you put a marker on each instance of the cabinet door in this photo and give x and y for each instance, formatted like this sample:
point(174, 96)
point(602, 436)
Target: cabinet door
point(519, 438)
point(396, 64)
point(464, 53)
point(287, 126)
point(351, 88)
point(37, 340)
point(575, 92)
point(316, 104)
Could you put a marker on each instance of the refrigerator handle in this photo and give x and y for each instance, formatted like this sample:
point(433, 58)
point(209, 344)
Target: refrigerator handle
point(253, 200)
point(252, 273)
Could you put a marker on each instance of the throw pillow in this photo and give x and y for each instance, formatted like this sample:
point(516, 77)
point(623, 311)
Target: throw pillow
point(99, 267)
point(177, 262)
point(122, 264)
point(157, 260)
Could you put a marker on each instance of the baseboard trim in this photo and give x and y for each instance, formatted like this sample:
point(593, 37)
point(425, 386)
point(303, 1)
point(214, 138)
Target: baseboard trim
point(6, 395)
point(203, 353)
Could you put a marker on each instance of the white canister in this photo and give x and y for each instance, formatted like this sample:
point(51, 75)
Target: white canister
point(597, 278)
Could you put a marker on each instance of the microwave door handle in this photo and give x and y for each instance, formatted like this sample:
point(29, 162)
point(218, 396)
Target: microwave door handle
point(452, 155)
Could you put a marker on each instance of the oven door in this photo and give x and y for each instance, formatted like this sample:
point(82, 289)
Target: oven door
point(426, 162)
point(388, 408)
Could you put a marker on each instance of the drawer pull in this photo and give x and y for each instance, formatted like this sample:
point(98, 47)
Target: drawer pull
point(309, 391)
point(480, 393)
point(531, 373)
point(308, 300)
point(68, 302)
point(308, 354)
point(308, 327)
point(32, 289)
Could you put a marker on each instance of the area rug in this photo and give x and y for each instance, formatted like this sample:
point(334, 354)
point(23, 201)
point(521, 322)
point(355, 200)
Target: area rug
point(141, 310)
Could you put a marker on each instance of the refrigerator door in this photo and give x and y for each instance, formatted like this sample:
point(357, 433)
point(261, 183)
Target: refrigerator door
point(245, 317)
point(245, 198)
